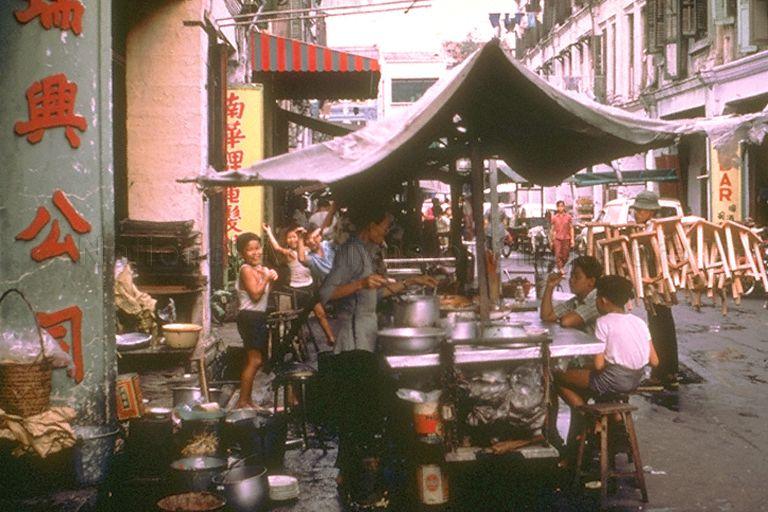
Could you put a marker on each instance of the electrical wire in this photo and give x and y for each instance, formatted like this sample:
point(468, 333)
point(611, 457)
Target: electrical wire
point(314, 16)
point(325, 9)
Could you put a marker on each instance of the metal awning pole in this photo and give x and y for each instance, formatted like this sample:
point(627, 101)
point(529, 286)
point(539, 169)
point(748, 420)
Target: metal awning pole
point(493, 182)
point(457, 216)
point(478, 179)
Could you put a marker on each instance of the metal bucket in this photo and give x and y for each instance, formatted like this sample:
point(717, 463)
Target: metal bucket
point(93, 453)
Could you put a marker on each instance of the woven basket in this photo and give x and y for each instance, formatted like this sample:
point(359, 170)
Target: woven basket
point(25, 389)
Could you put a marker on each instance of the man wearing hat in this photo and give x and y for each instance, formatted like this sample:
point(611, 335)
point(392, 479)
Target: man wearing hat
point(661, 323)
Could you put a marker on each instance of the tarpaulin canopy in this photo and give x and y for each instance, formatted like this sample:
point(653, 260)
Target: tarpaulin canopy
point(493, 103)
point(300, 70)
point(588, 179)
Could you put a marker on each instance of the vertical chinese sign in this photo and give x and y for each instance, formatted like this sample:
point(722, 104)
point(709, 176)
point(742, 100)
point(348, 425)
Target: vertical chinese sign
point(245, 146)
point(56, 201)
point(725, 191)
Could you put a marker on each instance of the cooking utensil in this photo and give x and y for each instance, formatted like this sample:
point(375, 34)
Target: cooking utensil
point(190, 394)
point(203, 379)
point(196, 473)
point(417, 311)
point(132, 341)
point(410, 340)
point(181, 335)
point(245, 488)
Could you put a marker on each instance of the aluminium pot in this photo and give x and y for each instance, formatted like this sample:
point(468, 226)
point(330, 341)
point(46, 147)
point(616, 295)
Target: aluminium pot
point(245, 488)
point(410, 340)
point(190, 394)
point(416, 311)
point(196, 473)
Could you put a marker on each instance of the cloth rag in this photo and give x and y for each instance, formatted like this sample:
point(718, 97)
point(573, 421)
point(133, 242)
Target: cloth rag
point(44, 434)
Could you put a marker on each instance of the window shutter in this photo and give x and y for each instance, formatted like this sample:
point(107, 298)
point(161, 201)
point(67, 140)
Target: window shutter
point(660, 25)
point(743, 27)
point(672, 19)
point(702, 22)
point(688, 18)
point(650, 27)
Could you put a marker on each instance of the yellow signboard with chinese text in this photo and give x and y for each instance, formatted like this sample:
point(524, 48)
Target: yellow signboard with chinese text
point(245, 146)
point(725, 187)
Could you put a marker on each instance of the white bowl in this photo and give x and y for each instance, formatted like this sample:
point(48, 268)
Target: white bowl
point(181, 335)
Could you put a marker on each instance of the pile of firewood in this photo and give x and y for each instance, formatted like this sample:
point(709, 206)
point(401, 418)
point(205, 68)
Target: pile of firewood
point(686, 254)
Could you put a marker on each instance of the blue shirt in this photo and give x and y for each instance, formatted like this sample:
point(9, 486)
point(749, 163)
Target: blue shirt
point(321, 265)
point(358, 323)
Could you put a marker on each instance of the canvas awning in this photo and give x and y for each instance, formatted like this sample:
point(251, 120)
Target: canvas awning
point(589, 179)
point(493, 103)
point(301, 70)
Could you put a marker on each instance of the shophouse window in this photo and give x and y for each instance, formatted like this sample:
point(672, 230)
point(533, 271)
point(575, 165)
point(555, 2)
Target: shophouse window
point(408, 90)
point(631, 54)
point(758, 21)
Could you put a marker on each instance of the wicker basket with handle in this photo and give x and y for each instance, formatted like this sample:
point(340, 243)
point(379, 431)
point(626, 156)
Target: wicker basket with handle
point(25, 388)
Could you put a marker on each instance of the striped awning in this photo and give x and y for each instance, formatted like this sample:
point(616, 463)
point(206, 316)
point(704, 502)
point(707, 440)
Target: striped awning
point(279, 54)
point(304, 70)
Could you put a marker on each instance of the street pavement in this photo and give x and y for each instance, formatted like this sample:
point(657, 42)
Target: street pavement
point(704, 446)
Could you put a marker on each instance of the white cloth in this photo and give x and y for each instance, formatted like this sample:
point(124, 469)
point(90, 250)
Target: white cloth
point(627, 339)
point(301, 276)
point(246, 303)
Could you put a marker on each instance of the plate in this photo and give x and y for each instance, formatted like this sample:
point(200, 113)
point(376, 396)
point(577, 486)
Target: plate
point(132, 340)
point(283, 487)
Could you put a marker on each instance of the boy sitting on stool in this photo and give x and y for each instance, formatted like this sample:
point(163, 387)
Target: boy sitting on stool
point(628, 348)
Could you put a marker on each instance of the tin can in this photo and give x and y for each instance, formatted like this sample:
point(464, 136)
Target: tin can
point(129, 399)
point(433, 486)
point(427, 421)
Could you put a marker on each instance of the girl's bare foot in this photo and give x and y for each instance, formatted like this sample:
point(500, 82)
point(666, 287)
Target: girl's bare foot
point(245, 405)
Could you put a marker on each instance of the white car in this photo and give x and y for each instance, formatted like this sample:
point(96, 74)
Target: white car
point(616, 211)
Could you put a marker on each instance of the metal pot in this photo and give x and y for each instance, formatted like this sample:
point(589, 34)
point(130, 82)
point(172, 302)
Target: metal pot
point(462, 331)
point(410, 340)
point(196, 473)
point(245, 488)
point(503, 333)
point(417, 311)
point(189, 394)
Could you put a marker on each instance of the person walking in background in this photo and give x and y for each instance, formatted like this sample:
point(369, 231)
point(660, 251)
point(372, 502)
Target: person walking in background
point(660, 319)
point(253, 285)
point(561, 236)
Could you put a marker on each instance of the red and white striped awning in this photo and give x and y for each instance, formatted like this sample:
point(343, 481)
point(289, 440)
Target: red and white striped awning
point(275, 59)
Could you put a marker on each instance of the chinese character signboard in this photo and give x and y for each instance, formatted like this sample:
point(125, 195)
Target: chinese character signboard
point(57, 193)
point(725, 191)
point(245, 146)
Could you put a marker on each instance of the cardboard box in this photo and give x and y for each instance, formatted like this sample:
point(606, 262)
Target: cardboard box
point(129, 399)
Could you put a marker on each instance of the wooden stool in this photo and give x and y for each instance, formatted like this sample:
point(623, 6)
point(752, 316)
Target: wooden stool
point(600, 413)
point(297, 381)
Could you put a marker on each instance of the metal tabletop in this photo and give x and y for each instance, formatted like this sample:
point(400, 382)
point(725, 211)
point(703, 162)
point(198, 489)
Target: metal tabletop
point(565, 343)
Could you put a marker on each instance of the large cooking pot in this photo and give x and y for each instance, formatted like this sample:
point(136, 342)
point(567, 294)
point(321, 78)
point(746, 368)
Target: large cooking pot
point(189, 394)
point(410, 340)
point(245, 488)
point(196, 473)
point(416, 311)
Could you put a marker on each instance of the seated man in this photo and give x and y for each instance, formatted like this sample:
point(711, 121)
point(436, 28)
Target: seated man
point(580, 312)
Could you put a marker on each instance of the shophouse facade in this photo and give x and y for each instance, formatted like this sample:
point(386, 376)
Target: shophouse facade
point(665, 59)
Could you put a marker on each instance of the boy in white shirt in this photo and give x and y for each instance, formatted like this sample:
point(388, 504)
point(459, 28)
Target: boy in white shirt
point(628, 348)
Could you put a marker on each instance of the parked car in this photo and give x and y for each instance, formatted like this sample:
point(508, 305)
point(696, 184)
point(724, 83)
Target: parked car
point(616, 211)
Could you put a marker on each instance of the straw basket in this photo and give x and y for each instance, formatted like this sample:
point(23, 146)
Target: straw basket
point(25, 389)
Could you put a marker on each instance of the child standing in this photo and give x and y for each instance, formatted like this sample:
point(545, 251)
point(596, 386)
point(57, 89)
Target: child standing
point(301, 282)
point(253, 285)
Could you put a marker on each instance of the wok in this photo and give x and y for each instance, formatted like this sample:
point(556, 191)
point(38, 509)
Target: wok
point(410, 340)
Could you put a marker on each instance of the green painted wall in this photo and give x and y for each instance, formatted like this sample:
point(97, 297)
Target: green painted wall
point(30, 173)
